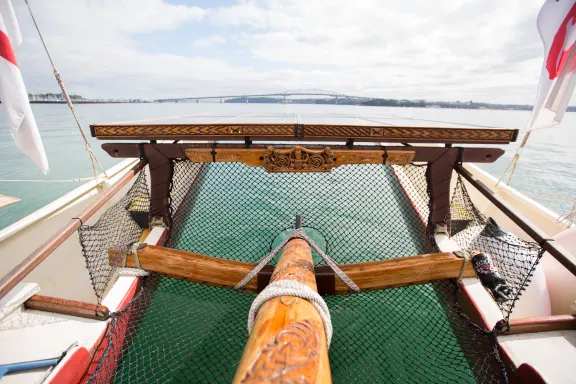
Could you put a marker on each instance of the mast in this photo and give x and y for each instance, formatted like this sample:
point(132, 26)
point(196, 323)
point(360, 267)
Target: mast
point(287, 342)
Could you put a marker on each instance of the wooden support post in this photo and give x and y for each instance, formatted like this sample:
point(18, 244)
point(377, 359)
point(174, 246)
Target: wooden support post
point(161, 171)
point(288, 343)
point(438, 176)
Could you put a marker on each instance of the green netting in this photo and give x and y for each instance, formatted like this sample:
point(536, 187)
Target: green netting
point(182, 332)
point(175, 331)
point(234, 211)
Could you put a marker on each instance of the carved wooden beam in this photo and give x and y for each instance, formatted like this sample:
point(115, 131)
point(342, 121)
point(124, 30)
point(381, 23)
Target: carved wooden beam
point(67, 307)
point(288, 341)
point(421, 154)
point(303, 132)
point(300, 159)
point(227, 273)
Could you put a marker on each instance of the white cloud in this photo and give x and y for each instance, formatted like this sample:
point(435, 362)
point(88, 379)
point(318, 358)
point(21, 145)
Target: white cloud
point(208, 41)
point(485, 50)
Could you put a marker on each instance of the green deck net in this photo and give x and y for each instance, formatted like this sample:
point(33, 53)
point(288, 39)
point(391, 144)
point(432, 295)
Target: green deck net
point(176, 331)
point(181, 332)
point(233, 211)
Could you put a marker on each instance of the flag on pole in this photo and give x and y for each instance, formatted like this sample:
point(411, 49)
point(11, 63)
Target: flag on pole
point(557, 27)
point(13, 93)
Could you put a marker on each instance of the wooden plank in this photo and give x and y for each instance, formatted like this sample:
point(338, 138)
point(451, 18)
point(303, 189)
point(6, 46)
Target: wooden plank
point(303, 132)
point(422, 154)
point(227, 273)
point(542, 324)
point(67, 307)
point(188, 265)
point(299, 159)
point(403, 271)
point(288, 341)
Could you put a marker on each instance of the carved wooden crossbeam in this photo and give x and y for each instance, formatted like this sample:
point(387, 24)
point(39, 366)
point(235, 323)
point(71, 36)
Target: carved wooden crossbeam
point(227, 273)
point(299, 159)
point(302, 132)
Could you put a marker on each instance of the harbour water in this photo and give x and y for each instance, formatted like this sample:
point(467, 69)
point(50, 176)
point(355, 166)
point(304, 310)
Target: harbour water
point(546, 167)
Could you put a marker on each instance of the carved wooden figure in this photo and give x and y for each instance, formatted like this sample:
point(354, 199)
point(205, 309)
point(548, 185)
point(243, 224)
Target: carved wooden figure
point(287, 343)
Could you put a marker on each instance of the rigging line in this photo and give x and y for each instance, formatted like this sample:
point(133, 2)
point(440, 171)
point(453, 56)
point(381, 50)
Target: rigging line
point(374, 121)
point(49, 181)
point(157, 118)
point(91, 154)
point(440, 121)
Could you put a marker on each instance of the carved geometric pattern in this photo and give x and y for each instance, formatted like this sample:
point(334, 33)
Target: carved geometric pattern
point(301, 130)
point(298, 159)
point(292, 357)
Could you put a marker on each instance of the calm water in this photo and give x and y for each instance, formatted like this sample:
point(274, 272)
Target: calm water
point(546, 167)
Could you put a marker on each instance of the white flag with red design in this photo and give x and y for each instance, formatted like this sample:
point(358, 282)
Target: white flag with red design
point(13, 93)
point(557, 27)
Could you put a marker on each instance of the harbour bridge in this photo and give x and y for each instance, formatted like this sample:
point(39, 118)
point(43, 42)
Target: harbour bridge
point(281, 96)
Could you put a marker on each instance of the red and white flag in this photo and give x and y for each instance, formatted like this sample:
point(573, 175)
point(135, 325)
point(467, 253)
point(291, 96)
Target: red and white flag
point(557, 27)
point(13, 93)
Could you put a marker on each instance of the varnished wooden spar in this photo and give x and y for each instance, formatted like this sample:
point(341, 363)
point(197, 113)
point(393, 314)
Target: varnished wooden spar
point(227, 273)
point(188, 265)
point(67, 307)
point(288, 342)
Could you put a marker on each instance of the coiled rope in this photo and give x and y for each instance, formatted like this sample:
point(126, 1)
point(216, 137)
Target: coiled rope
point(292, 288)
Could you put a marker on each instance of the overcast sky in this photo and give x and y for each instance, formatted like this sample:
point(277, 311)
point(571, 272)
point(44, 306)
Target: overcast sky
point(481, 50)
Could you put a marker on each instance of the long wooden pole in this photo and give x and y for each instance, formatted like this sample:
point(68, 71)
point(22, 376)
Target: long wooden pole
point(287, 343)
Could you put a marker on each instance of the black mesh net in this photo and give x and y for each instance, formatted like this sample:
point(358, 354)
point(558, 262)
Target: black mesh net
point(514, 258)
point(177, 331)
point(180, 332)
point(360, 212)
point(118, 228)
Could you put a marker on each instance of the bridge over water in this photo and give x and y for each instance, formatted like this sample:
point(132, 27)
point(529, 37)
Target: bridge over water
point(282, 96)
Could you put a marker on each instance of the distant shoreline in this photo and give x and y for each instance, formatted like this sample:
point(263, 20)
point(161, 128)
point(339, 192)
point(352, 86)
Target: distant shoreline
point(92, 102)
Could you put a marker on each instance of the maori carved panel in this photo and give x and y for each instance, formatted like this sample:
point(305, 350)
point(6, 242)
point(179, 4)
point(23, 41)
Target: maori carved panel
point(298, 159)
point(292, 357)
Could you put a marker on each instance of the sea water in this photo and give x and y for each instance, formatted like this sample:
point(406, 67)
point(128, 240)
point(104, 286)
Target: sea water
point(546, 166)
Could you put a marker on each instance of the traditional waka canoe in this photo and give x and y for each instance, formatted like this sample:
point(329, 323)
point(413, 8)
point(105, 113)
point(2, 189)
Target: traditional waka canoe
point(356, 253)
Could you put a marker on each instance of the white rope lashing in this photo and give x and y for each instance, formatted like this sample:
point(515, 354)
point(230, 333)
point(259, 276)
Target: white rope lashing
point(292, 288)
point(138, 271)
point(91, 154)
point(299, 234)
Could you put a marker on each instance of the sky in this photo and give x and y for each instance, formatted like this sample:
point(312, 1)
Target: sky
point(480, 50)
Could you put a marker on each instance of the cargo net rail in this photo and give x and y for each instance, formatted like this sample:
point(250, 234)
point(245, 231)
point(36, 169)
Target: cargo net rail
point(178, 331)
